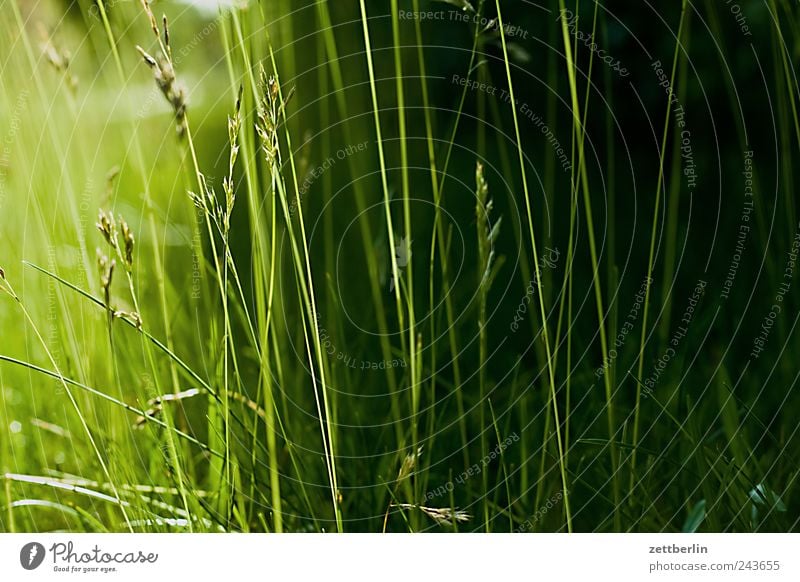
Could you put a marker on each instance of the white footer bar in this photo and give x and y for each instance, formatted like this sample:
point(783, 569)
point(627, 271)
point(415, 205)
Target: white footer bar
point(406, 558)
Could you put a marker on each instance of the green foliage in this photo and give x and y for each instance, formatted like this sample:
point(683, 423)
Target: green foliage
point(323, 266)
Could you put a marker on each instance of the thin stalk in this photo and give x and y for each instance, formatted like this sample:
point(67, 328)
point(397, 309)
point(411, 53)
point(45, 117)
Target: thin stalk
point(414, 373)
point(550, 371)
point(653, 233)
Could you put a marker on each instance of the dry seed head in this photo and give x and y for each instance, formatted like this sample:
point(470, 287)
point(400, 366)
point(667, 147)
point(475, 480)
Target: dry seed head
point(164, 75)
point(409, 464)
point(157, 404)
point(106, 269)
point(480, 179)
point(178, 100)
point(268, 117)
point(150, 16)
point(445, 515)
point(197, 201)
point(151, 62)
point(129, 242)
point(230, 200)
point(175, 94)
point(487, 232)
point(266, 132)
point(108, 278)
point(272, 84)
point(102, 263)
point(239, 100)
point(211, 196)
point(270, 109)
point(130, 316)
point(59, 59)
point(166, 31)
point(107, 227)
point(441, 515)
point(112, 175)
point(234, 125)
point(233, 131)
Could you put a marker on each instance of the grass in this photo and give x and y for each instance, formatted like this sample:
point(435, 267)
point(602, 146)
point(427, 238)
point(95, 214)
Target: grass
point(220, 313)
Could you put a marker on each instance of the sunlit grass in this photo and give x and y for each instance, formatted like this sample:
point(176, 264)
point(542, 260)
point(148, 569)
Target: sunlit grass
point(242, 343)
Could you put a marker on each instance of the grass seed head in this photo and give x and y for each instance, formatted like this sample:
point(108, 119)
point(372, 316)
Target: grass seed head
point(487, 232)
point(107, 227)
point(445, 515)
point(409, 464)
point(164, 74)
point(131, 317)
point(150, 16)
point(166, 32)
point(106, 268)
point(234, 126)
point(441, 515)
point(150, 61)
point(60, 59)
point(128, 241)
